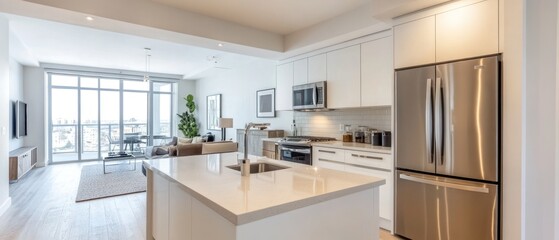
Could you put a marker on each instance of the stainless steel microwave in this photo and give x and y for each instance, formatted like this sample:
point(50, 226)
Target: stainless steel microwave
point(309, 96)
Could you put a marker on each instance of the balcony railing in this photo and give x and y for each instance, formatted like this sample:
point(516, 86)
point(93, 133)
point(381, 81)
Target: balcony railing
point(64, 137)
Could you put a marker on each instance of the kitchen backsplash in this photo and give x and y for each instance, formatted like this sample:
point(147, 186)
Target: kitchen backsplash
point(327, 124)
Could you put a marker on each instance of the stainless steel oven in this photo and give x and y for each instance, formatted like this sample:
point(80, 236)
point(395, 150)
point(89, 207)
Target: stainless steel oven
point(296, 153)
point(309, 96)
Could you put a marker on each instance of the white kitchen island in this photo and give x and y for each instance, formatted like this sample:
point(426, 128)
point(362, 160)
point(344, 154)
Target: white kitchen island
point(200, 198)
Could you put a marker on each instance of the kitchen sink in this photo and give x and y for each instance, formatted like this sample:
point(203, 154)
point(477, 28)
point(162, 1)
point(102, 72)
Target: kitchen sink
point(259, 167)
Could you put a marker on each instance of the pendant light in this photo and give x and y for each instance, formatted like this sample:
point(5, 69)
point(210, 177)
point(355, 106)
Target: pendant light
point(148, 56)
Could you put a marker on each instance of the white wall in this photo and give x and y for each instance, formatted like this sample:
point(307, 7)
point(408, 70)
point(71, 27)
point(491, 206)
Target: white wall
point(540, 84)
point(16, 94)
point(238, 96)
point(5, 200)
point(35, 95)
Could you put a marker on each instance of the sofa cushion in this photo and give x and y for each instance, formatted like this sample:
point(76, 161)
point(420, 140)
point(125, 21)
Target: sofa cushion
point(183, 140)
point(197, 140)
point(219, 147)
point(188, 149)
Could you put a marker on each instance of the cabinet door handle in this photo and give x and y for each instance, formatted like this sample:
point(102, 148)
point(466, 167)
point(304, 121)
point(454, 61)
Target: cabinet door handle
point(365, 156)
point(332, 161)
point(355, 165)
point(324, 151)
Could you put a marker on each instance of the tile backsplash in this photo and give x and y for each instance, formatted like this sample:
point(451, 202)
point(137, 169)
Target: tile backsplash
point(327, 124)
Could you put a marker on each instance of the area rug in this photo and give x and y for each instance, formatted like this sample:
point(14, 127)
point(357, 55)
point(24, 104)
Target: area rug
point(119, 180)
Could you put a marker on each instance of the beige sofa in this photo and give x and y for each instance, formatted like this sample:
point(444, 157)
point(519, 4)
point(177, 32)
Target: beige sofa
point(188, 149)
point(184, 147)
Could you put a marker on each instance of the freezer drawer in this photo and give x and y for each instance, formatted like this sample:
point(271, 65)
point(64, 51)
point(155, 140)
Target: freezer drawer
point(431, 208)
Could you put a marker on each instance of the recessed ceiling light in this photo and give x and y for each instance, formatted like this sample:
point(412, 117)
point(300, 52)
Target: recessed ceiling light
point(88, 18)
point(220, 45)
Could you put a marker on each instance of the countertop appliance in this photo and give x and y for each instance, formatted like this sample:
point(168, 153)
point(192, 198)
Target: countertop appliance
point(311, 96)
point(298, 148)
point(447, 150)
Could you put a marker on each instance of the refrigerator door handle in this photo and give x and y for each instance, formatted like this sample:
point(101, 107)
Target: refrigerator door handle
point(442, 119)
point(437, 119)
point(434, 182)
point(429, 119)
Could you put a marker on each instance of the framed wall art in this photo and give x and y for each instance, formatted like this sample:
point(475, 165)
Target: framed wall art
point(213, 111)
point(266, 103)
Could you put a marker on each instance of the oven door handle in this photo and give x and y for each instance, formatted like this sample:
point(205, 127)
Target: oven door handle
point(307, 151)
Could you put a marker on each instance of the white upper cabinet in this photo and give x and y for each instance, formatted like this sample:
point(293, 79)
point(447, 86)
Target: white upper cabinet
point(284, 87)
point(344, 77)
point(300, 73)
point(317, 68)
point(377, 72)
point(414, 43)
point(469, 31)
point(464, 32)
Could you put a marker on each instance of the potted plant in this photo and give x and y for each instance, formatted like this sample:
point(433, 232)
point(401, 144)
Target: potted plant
point(187, 123)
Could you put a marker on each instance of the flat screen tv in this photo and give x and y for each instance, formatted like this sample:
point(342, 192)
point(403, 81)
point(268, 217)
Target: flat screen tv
point(20, 119)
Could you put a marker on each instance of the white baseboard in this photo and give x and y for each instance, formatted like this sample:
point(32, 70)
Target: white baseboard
point(4, 207)
point(385, 224)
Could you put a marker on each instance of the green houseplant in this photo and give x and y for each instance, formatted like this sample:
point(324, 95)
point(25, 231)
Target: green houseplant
point(187, 123)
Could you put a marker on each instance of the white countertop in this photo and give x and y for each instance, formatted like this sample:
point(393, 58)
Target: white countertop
point(272, 139)
point(354, 146)
point(245, 199)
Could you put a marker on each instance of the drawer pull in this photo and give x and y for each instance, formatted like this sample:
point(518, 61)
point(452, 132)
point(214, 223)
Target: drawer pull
point(369, 157)
point(332, 161)
point(356, 165)
point(324, 151)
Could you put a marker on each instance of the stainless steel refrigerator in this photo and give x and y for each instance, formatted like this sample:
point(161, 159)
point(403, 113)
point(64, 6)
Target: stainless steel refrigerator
point(447, 150)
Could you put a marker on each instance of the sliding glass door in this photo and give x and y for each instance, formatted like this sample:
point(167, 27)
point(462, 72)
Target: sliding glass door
point(64, 131)
point(91, 116)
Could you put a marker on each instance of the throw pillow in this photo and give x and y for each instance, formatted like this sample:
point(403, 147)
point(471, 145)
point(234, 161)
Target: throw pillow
point(173, 142)
point(197, 140)
point(172, 151)
point(162, 151)
point(185, 140)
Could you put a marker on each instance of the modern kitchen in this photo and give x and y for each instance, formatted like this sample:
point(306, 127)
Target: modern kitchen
point(422, 117)
point(388, 120)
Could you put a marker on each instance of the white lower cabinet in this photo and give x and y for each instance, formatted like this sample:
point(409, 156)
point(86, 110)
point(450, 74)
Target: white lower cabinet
point(367, 163)
point(328, 154)
point(160, 225)
point(386, 194)
point(179, 213)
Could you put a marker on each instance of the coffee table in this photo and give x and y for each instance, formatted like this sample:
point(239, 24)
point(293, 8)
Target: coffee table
point(120, 158)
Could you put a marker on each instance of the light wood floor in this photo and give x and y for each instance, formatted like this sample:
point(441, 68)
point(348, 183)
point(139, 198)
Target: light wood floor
point(44, 207)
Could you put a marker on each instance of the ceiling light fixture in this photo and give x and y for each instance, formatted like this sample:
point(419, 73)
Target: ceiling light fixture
point(148, 56)
point(88, 18)
point(220, 44)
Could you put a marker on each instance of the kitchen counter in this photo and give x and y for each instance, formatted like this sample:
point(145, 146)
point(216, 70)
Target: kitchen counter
point(354, 146)
point(272, 139)
point(241, 201)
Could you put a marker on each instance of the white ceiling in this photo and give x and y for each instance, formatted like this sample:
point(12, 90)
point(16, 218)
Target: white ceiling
point(51, 42)
point(180, 35)
point(278, 16)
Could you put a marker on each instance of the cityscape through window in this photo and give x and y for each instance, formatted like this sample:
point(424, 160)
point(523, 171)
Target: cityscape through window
point(91, 116)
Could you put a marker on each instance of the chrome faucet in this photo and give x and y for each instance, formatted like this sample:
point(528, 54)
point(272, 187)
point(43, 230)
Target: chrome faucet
point(245, 162)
